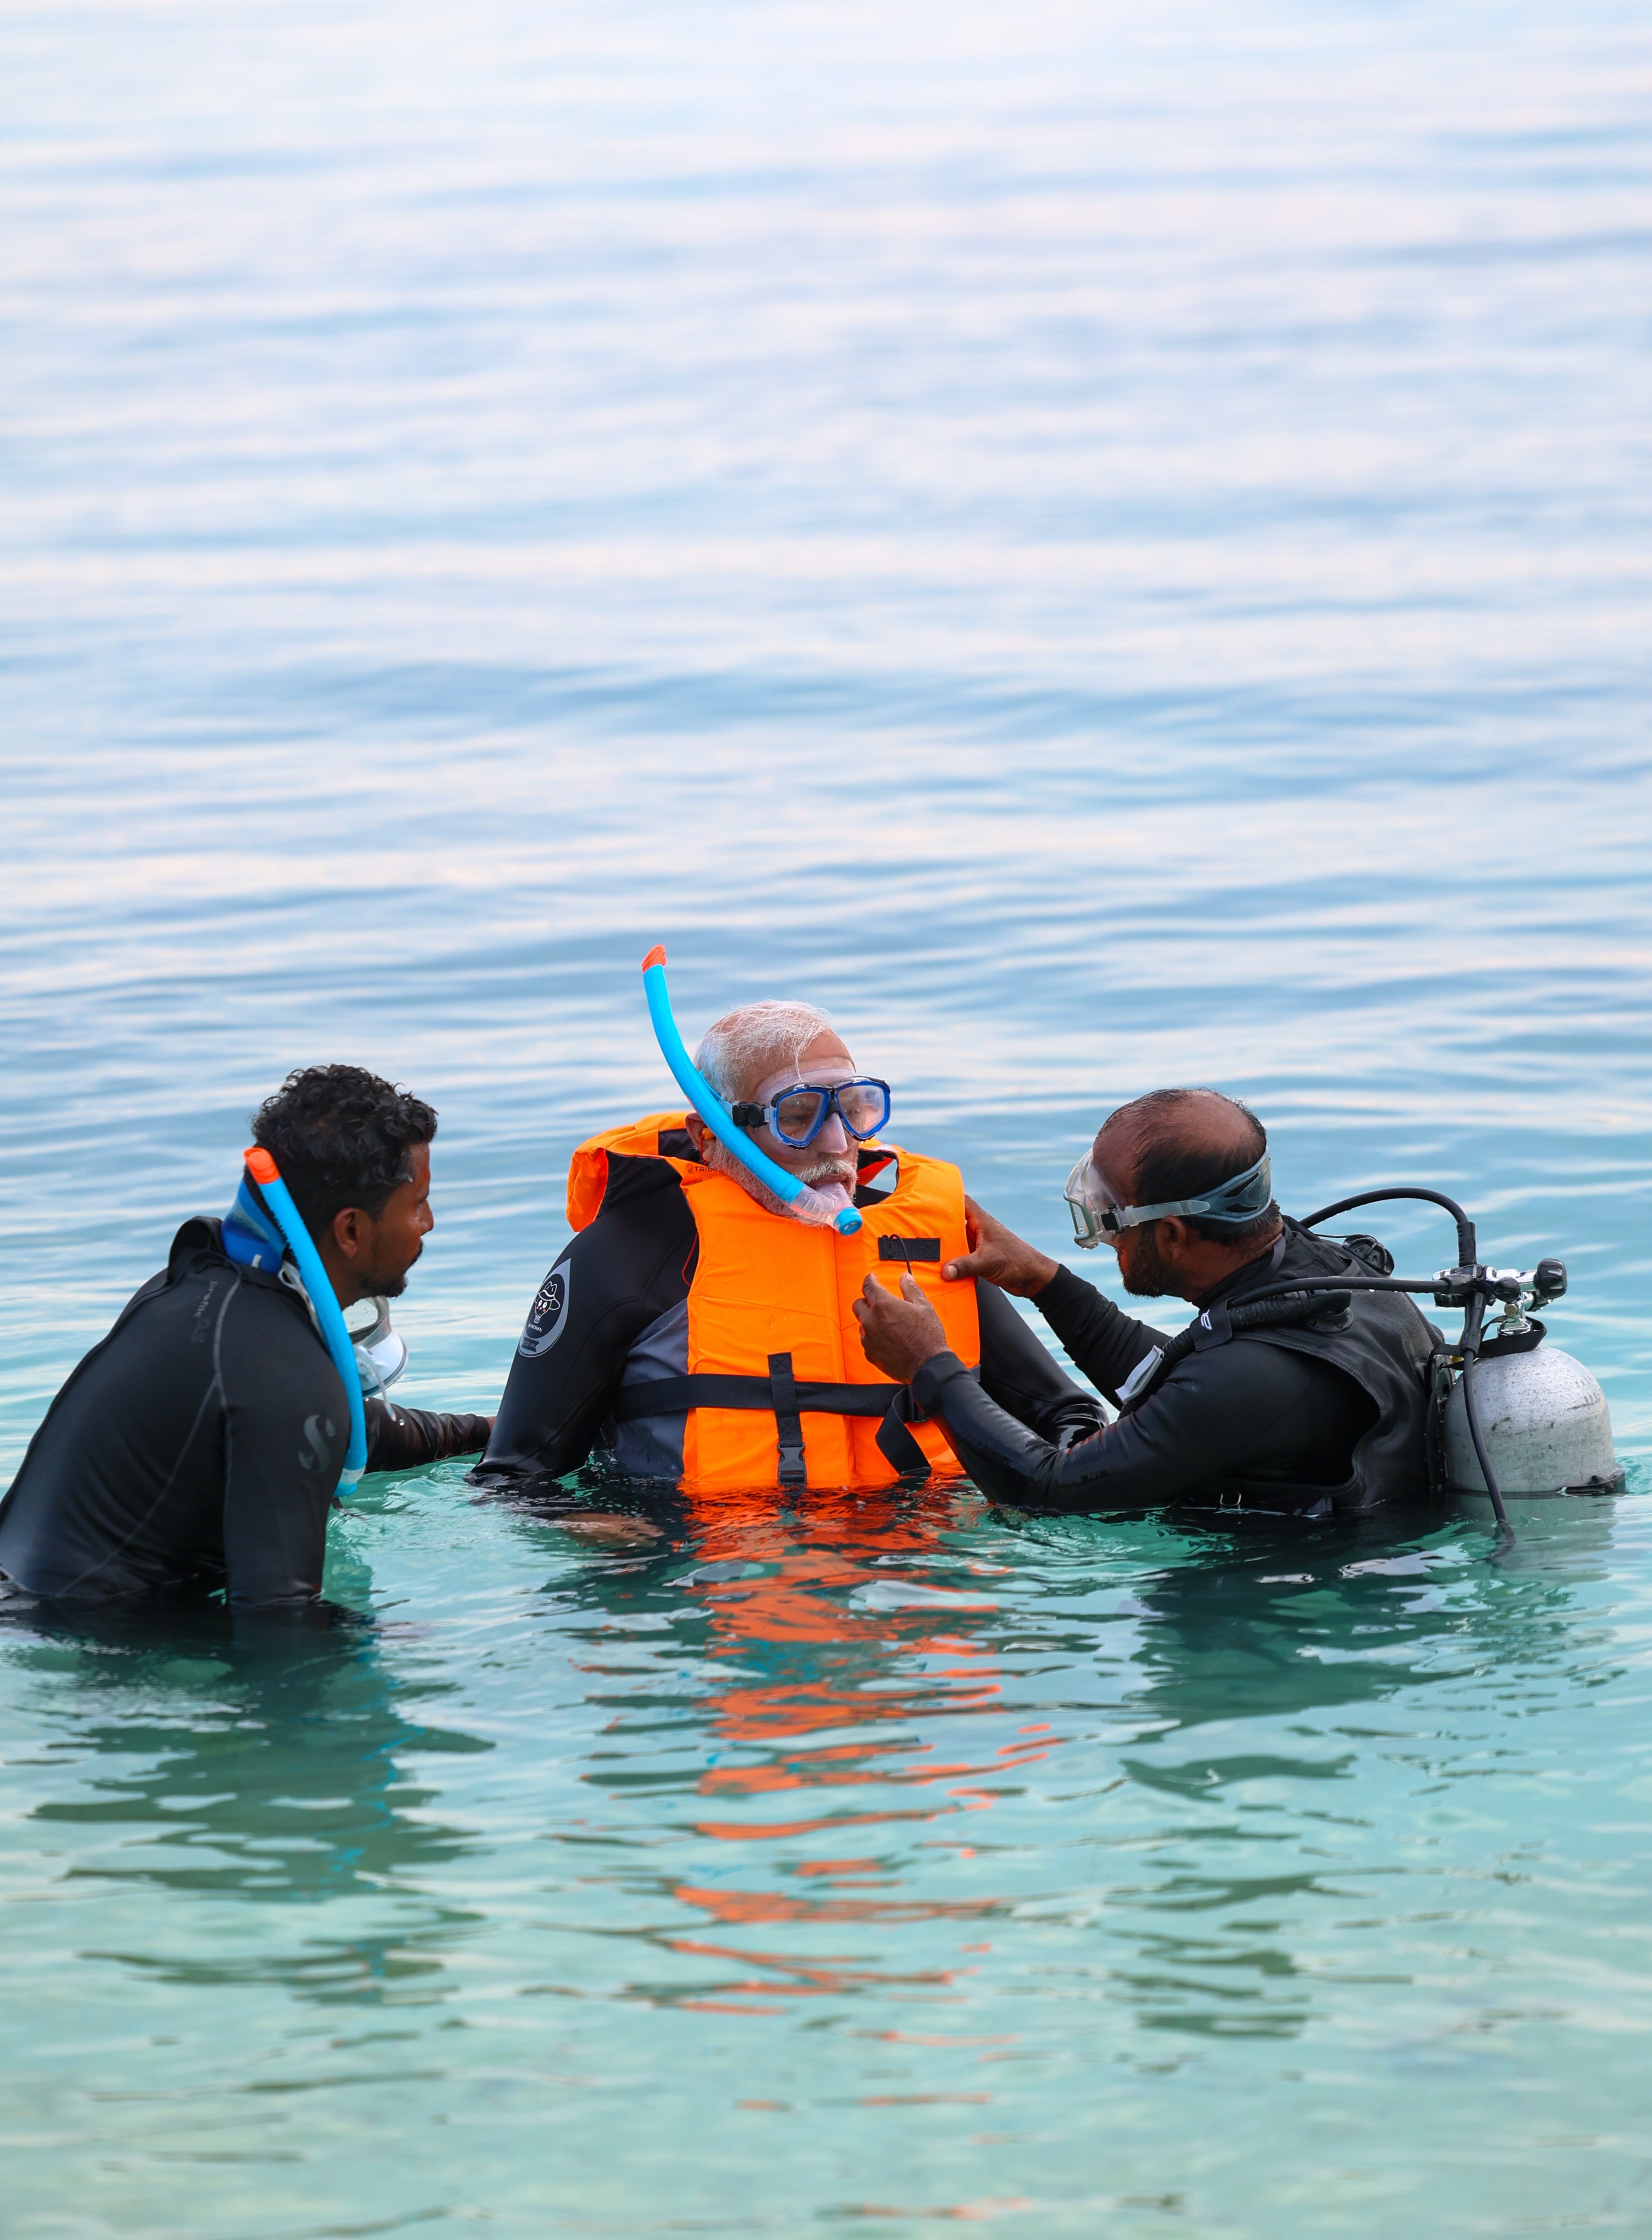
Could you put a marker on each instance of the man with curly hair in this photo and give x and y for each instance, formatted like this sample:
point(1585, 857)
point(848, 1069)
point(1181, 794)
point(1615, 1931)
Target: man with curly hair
point(198, 1444)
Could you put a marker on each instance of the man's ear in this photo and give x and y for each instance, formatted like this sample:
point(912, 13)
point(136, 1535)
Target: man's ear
point(697, 1132)
point(351, 1231)
point(1174, 1237)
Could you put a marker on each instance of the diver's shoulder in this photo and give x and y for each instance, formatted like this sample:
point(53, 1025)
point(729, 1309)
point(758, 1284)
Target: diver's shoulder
point(638, 1189)
point(203, 1294)
point(197, 1254)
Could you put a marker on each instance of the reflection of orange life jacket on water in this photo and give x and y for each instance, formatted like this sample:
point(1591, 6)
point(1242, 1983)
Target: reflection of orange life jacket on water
point(778, 1389)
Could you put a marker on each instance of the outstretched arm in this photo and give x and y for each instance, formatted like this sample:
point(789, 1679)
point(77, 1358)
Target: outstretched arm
point(1225, 1411)
point(1105, 1344)
point(1237, 1410)
point(406, 1438)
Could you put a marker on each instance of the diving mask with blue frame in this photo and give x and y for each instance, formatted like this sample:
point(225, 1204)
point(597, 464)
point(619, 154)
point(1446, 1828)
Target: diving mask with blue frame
point(797, 1115)
point(1096, 1220)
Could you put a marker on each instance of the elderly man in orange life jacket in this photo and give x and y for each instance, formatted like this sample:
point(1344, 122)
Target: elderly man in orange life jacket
point(695, 1331)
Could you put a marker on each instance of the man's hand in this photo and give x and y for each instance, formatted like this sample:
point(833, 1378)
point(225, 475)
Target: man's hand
point(898, 1335)
point(997, 1256)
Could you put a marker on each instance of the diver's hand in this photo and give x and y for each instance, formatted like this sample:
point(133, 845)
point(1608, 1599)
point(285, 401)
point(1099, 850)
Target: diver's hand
point(898, 1336)
point(997, 1256)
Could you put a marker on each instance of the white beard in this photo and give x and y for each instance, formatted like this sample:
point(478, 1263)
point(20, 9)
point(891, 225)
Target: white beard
point(835, 1179)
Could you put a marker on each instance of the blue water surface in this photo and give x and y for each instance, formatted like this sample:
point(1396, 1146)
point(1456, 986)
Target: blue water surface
point(1108, 545)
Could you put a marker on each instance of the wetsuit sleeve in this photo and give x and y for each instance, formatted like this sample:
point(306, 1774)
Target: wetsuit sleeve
point(1104, 1342)
point(1239, 1409)
point(630, 1266)
point(1025, 1379)
point(405, 1438)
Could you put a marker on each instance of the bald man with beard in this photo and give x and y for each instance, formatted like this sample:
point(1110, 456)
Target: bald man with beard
point(1303, 1416)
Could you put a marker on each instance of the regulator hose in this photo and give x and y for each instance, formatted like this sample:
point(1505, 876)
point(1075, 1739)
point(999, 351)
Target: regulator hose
point(1467, 1248)
point(1473, 1313)
point(1472, 1318)
point(1275, 1310)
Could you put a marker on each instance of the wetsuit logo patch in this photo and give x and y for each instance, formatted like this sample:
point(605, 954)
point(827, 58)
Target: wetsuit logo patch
point(317, 1458)
point(547, 1316)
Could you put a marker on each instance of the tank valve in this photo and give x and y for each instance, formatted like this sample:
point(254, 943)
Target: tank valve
point(1548, 1280)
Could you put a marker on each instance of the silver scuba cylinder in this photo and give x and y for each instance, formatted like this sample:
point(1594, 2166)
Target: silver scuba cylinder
point(1547, 1429)
point(1509, 1415)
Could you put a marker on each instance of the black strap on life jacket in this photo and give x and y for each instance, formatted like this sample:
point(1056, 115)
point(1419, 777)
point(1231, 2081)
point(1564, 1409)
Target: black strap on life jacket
point(789, 1401)
point(896, 1444)
point(675, 1396)
point(789, 1422)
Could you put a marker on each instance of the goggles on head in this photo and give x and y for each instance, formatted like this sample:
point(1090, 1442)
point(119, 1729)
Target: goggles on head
point(1096, 1218)
point(797, 1115)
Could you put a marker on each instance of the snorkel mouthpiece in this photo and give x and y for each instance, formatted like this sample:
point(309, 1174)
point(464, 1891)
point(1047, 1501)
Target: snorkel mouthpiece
point(808, 1204)
point(278, 1199)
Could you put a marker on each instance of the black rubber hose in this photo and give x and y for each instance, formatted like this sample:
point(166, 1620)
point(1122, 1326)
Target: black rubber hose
point(1470, 1361)
point(1467, 1248)
point(1272, 1311)
point(1425, 1286)
point(1277, 1308)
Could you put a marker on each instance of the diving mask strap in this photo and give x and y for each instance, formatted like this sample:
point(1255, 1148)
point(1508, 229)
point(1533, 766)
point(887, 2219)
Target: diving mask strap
point(1237, 1202)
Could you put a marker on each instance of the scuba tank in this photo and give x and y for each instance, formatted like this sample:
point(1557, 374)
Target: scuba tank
point(1543, 1418)
point(1511, 1414)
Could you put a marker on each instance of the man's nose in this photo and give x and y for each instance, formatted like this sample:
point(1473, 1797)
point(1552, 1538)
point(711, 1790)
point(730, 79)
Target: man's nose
point(833, 1136)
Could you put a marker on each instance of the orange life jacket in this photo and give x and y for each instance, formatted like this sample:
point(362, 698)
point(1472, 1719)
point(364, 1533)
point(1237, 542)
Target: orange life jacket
point(778, 1389)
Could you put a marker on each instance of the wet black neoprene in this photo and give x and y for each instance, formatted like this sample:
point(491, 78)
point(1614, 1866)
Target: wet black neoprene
point(200, 1440)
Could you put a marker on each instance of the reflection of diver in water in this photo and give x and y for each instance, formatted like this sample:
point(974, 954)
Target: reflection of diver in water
point(799, 1610)
point(820, 1684)
point(272, 1767)
point(1269, 1622)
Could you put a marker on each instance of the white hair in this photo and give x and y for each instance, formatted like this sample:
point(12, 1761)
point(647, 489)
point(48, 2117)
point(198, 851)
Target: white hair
point(745, 1045)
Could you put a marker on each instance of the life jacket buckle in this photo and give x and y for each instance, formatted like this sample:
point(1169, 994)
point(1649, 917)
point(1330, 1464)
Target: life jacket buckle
point(789, 1423)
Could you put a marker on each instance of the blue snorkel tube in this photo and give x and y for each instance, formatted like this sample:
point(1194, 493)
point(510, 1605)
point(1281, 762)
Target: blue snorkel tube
point(808, 1204)
point(277, 1198)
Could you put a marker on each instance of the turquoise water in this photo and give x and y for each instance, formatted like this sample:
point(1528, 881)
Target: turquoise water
point(1107, 546)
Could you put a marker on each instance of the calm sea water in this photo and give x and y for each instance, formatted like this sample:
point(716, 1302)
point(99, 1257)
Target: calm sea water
point(1110, 546)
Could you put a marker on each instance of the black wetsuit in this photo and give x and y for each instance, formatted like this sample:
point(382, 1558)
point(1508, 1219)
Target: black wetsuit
point(614, 1308)
point(200, 1441)
point(1299, 1420)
